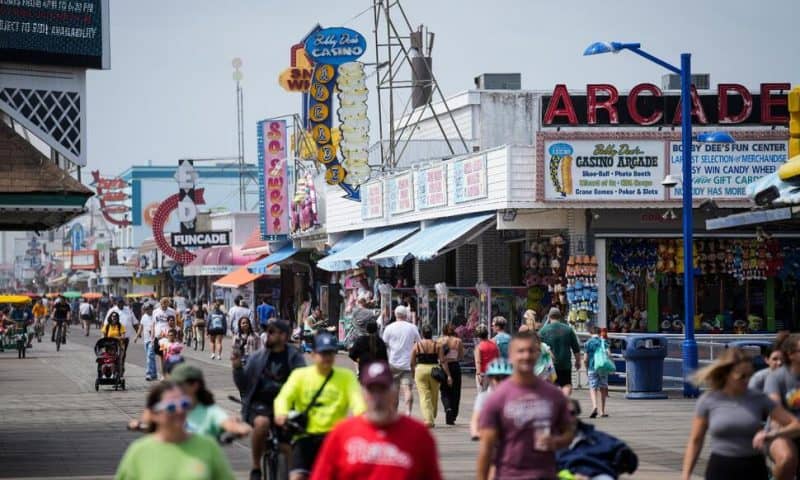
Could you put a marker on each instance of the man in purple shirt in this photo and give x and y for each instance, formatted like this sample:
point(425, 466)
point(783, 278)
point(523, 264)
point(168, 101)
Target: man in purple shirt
point(524, 421)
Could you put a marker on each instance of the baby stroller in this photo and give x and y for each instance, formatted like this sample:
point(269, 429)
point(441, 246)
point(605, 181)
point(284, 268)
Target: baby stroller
point(109, 363)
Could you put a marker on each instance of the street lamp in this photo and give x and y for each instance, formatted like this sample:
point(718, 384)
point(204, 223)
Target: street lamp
point(689, 349)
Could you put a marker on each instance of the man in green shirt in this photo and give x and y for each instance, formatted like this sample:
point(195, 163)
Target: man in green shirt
point(562, 340)
point(337, 391)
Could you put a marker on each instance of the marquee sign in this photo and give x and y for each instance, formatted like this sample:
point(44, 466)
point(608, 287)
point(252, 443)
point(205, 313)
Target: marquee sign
point(646, 104)
point(169, 205)
point(334, 52)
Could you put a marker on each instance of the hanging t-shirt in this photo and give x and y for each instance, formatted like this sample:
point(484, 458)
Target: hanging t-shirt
point(197, 458)
point(514, 410)
point(404, 450)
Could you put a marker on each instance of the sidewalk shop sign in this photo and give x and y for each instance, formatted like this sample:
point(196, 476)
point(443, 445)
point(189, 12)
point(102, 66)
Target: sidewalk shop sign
point(589, 170)
point(723, 170)
point(431, 187)
point(469, 176)
point(111, 195)
point(372, 200)
point(646, 104)
point(274, 180)
point(401, 193)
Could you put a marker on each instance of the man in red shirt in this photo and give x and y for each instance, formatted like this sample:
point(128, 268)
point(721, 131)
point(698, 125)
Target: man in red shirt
point(381, 444)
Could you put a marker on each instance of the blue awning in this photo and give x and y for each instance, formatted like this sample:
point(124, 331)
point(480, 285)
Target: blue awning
point(432, 240)
point(260, 267)
point(346, 241)
point(349, 257)
point(751, 218)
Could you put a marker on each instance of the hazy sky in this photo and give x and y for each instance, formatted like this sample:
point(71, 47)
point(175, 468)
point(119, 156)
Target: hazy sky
point(170, 93)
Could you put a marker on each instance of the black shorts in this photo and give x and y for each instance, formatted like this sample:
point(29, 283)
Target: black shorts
point(563, 377)
point(305, 451)
point(724, 468)
point(216, 331)
point(258, 408)
point(86, 317)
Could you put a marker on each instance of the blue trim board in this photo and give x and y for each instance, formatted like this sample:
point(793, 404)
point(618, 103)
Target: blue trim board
point(227, 171)
point(136, 203)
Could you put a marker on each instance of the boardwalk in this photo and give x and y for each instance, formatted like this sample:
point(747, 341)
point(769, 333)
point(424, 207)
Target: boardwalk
point(54, 425)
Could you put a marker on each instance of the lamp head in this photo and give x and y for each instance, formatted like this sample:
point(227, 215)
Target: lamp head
point(669, 181)
point(715, 137)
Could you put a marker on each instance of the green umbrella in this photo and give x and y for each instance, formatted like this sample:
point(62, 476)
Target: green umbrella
point(71, 294)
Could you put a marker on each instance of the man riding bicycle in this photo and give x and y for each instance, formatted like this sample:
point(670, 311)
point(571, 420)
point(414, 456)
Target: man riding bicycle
point(60, 315)
point(261, 380)
point(323, 395)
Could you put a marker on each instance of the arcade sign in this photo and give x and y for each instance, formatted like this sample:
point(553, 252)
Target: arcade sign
point(201, 239)
point(296, 78)
point(646, 105)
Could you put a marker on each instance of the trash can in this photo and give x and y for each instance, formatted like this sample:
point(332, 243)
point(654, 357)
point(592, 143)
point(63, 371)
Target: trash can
point(644, 366)
point(757, 347)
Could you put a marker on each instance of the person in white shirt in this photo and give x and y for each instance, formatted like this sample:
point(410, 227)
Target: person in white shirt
point(164, 311)
point(238, 312)
point(87, 315)
point(400, 337)
point(147, 333)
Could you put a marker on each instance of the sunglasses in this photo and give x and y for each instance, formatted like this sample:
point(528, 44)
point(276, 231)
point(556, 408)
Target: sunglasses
point(173, 406)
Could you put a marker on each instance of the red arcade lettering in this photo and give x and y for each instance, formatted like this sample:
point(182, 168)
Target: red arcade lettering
point(609, 104)
point(560, 95)
point(725, 116)
point(768, 101)
point(697, 110)
point(633, 109)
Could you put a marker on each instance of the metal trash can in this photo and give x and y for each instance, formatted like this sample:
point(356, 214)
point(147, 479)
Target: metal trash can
point(756, 347)
point(644, 366)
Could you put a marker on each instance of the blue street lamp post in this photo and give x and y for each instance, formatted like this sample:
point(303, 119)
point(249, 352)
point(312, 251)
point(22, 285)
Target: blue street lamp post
point(689, 349)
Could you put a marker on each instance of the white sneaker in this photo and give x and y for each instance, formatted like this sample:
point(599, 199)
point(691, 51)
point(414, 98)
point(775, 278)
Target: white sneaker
point(213, 356)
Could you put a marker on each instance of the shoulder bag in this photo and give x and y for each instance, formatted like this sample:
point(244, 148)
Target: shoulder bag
point(301, 420)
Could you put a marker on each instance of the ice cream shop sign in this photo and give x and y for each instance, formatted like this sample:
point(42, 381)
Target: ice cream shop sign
point(646, 104)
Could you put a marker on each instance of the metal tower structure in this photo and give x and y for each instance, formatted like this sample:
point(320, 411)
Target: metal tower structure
point(401, 49)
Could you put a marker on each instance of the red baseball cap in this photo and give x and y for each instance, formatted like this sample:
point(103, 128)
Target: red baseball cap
point(377, 373)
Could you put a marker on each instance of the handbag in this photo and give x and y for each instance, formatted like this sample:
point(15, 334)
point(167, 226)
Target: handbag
point(602, 362)
point(438, 374)
point(300, 421)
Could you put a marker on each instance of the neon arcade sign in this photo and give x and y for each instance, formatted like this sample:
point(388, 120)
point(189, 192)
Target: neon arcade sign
point(647, 105)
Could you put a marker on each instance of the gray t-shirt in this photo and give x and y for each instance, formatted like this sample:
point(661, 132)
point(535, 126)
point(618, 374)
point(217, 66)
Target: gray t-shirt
point(734, 421)
point(784, 383)
point(758, 379)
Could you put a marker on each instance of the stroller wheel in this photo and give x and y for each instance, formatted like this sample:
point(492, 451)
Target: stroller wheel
point(97, 385)
point(123, 384)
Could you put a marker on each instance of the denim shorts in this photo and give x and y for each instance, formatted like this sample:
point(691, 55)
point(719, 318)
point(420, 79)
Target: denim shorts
point(597, 380)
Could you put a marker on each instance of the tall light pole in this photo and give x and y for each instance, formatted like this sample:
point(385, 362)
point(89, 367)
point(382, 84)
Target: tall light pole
point(237, 77)
point(689, 347)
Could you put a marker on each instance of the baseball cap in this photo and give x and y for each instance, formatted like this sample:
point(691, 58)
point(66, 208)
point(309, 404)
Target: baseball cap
point(376, 373)
point(185, 372)
point(325, 342)
point(280, 325)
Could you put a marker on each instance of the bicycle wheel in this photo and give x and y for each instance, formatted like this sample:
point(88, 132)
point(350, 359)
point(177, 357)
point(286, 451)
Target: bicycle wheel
point(275, 466)
point(59, 336)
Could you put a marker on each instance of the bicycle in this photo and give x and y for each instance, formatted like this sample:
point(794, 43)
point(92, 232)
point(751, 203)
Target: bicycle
point(21, 337)
point(188, 335)
point(274, 461)
point(61, 335)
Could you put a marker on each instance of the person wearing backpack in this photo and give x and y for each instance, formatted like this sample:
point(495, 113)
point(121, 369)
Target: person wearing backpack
point(597, 359)
point(217, 328)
